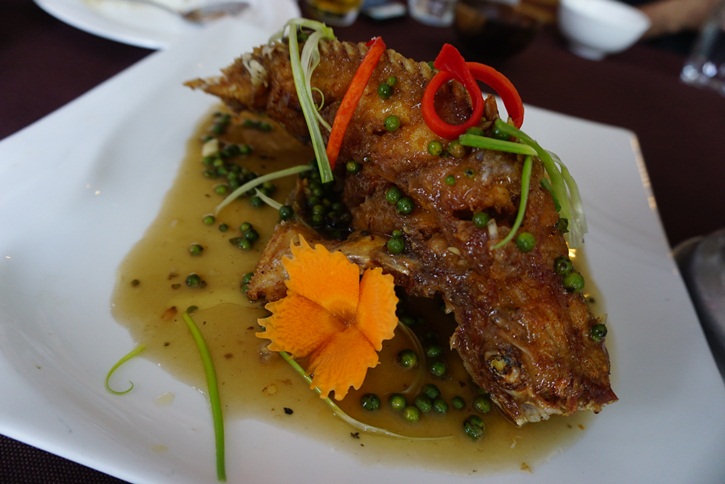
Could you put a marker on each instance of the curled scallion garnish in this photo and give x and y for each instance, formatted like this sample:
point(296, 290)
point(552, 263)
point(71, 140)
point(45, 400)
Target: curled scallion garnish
point(131, 354)
point(525, 184)
point(562, 185)
point(213, 389)
point(258, 181)
point(303, 65)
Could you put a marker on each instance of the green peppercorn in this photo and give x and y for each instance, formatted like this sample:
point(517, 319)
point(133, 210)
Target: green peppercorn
point(251, 235)
point(286, 212)
point(563, 266)
point(456, 149)
point(396, 245)
point(256, 201)
point(385, 90)
point(194, 280)
point(424, 403)
point(209, 219)
point(411, 414)
point(370, 402)
point(481, 219)
point(498, 134)
point(458, 402)
point(393, 194)
point(396, 233)
point(438, 368)
point(562, 225)
point(223, 227)
point(246, 279)
point(450, 180)
point(440, 406)
point(353, 167)
point(433, 350)
point(431, 391)
point(245, 226)
point(482, 404)
point(241, 242)
point(573, 281)
point(474, 427)
point(405, 206)
point(196, 249)
point(398, 402)
point(221, 189)
point(525, 241)
point(408, 359)
point(476, 131)
point(391, 81)
point(598, 332)
point(392, 123)
point(435, 147)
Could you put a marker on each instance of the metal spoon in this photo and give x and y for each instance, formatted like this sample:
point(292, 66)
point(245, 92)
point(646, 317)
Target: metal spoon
point(203, 14)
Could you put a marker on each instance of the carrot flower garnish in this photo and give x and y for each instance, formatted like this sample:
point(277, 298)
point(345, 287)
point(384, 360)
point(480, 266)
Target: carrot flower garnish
point(332, 316)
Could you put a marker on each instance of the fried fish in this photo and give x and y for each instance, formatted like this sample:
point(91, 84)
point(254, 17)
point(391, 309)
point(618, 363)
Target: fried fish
point(522, 335)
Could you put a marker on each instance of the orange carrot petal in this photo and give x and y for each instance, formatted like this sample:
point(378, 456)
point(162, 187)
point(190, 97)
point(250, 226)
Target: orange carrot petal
point(342, 363)
point(351, 99)
point(327, 278)
point(298, 325)
point(376, 317)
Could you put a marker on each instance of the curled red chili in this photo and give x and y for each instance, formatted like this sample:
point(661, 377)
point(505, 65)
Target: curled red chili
point(451, 65)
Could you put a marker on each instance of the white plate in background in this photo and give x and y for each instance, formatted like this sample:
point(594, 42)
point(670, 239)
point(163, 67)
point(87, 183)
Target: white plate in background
point(145, 26)
point(79, 188)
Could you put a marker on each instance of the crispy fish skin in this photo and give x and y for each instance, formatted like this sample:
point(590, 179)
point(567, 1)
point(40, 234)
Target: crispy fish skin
point(521, 335)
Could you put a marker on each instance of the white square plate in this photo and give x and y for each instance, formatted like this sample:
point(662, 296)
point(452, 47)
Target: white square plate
point(80, 187)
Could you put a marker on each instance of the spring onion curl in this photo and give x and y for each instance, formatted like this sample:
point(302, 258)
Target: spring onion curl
point(131, 354)
point(268, 200)
point(258, 181)
point(303, 66)
point(337, 411)
point(417, 384)
point(213, 389)
point(525, 184)
point(563, 187)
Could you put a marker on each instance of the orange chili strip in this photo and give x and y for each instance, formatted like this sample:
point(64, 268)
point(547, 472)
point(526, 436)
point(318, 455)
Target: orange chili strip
point(352, 98)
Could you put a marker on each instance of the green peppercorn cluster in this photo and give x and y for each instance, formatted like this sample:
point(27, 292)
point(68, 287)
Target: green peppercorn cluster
point(430, 399)
point(323, 206)
point(573, 281)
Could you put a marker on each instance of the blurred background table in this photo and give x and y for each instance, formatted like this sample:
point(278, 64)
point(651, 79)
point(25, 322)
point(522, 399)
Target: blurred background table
point(45, 63)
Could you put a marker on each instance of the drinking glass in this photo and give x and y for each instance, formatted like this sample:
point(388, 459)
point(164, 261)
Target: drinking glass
point(705, 66)
point(338, 13)
point(437, 13)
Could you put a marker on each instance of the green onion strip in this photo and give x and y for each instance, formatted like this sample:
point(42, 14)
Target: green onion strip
point(484, 142)
point(214, 399)
point(338, 412)
point(525, 184)
point(131, 354)
point(302, 75)
point(563, 186)
point(260, 180)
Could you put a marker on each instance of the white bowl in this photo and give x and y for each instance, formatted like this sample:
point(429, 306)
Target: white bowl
point(595, 28)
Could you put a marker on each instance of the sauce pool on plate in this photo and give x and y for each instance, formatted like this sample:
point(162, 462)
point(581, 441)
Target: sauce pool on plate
point(154, 288)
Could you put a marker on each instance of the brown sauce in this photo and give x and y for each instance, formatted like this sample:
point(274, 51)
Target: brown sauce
point(151, 294)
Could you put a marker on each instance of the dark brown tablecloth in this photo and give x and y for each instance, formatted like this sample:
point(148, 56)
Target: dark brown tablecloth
point(44, 64)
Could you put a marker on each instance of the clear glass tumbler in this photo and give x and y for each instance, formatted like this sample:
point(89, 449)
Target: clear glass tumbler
point(436, 13)
point(705, 66)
